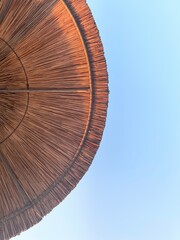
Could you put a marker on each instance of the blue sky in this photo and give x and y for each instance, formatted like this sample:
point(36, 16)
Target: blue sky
point(131, 191)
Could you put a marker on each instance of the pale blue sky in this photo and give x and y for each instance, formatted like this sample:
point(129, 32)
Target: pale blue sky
point(131, 191)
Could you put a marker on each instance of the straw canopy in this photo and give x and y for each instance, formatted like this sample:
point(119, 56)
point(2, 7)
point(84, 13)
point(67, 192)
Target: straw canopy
point(53, 102)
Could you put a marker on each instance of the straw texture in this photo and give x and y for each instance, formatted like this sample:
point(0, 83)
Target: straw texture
point(53, 103)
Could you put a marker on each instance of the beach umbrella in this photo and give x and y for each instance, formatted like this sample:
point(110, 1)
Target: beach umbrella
point(53, 103)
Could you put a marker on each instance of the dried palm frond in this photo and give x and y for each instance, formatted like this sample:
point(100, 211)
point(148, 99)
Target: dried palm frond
point(53, 103)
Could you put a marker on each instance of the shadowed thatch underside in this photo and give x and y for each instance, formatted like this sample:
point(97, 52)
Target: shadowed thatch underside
point(53, 102)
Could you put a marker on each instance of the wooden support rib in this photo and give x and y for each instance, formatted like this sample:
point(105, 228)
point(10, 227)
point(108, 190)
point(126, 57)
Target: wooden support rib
point(49, 90)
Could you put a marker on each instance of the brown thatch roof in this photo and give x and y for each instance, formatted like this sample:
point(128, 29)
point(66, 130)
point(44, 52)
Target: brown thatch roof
point(53, 102)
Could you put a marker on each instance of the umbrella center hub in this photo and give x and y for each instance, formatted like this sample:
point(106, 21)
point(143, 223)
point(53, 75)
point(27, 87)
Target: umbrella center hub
point(13, 98)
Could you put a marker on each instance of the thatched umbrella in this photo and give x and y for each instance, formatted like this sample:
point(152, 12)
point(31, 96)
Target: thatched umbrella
point(53, 101)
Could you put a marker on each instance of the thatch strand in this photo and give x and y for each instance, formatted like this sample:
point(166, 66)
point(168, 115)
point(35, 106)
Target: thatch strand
point(53, 103)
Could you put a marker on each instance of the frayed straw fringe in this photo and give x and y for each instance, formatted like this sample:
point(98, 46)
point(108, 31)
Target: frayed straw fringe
point(51, 148)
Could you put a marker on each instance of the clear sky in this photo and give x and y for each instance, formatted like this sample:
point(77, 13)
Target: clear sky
point(131, 191)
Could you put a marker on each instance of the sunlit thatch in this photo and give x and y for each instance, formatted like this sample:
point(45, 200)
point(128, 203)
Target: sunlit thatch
point(53, 101)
